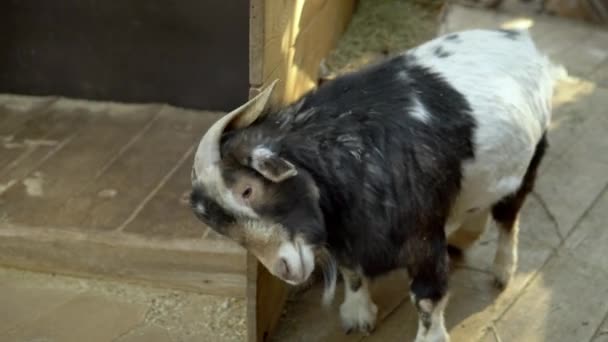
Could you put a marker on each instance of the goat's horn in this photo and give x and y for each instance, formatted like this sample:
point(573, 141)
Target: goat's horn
point(208, 151)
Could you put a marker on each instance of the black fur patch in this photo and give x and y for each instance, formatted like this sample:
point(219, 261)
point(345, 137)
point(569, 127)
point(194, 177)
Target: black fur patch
point(355, 281)
point(441, 53)
point(212, 214)
point(454, 37)
point(425, 318)
point(511, 34)
point(455, 252)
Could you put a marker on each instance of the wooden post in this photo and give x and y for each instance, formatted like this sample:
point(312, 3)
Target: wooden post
point(287, 41)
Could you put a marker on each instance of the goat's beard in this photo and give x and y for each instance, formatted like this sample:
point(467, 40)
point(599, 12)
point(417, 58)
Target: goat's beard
point(329, 268)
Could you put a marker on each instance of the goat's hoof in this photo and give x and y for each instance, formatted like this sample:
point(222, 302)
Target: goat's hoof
point(455, 252)
point(499, 284)
point(502, 277)
point(358, 316)
point(365, 330)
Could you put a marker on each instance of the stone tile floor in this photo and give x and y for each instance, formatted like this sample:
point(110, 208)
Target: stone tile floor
point(560, 292)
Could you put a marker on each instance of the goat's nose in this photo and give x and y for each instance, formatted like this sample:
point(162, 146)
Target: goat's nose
point(283, 269)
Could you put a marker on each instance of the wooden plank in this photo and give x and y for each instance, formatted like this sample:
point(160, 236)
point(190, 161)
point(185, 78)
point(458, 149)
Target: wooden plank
point(17, 115)
point(288, 39)
point(42, 134)
point(251, 299)
point(321, 24)
point(133, 177)
point(175, 263)
point(16, 110)
point(270, 297)
point(167, 214)
point(297, 35)
point(256, 42)
point(75, 165)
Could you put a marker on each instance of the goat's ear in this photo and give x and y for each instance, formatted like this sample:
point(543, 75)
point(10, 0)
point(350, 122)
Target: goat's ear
point(271, 166)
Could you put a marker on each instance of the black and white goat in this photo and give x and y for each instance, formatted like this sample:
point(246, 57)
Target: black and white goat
point(376, 169)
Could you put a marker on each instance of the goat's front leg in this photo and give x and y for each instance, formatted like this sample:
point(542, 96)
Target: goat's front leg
point(358, 312)
point(428, 269)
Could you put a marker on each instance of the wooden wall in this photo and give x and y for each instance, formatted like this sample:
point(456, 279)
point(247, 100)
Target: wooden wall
point(288, 39)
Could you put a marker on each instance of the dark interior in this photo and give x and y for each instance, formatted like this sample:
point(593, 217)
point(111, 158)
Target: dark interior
point(188, 53)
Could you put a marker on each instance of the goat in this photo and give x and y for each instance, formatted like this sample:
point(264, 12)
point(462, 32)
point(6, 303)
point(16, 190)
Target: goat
point(385, 168)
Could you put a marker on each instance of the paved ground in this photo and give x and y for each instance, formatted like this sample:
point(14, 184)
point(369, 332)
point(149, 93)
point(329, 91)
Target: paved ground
point(62, 179)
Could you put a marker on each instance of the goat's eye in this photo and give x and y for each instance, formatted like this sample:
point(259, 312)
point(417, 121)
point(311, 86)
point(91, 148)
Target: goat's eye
point(247, 193)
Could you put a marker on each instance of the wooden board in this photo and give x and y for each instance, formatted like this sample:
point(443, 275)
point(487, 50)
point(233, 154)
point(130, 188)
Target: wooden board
point(287, 41)
point(97, 189)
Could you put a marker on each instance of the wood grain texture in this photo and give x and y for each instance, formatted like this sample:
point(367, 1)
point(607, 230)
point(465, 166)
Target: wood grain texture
point(288, 40)
point(97, 189)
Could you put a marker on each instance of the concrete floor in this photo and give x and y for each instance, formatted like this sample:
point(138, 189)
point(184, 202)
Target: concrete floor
point(560, 292)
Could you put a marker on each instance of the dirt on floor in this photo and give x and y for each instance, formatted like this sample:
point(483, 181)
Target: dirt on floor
point(185, 316)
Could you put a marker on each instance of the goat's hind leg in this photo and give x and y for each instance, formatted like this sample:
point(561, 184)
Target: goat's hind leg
point(506, 215)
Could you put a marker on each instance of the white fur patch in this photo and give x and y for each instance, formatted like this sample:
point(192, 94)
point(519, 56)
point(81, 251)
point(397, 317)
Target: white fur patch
point(418, 111)
point(505, 261)
point(508, 185)
point(300, 260)
point(330, 278)
point(261, 152)
point(358, 311)
point(201, 208)
point(436, 331)
point(508, 85)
